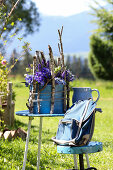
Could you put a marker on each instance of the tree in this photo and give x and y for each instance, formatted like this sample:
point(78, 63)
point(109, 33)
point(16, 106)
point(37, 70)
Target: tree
point(73, 66)
point(27, 60)
point(20, 68)
point(16, 69)
point(24, 18)
point(25, 11)
point(68, 61)
point(101, 43)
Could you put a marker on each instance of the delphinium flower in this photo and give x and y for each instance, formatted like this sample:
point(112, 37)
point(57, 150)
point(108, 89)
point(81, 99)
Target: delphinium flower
point(39, 77)
point(29, 79)
point(69, 75)
point(42, 75)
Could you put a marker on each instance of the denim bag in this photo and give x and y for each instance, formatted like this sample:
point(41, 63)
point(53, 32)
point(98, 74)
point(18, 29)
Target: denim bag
point(77, 126)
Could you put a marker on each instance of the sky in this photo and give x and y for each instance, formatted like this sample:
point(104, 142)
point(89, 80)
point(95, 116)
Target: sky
point(64, 7)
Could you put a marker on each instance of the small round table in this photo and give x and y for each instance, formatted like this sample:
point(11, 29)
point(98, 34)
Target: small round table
point(92, 147)
point(31, 117)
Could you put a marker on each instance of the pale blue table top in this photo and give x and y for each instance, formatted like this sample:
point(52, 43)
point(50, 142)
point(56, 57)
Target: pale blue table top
point(27, 113)
point(92, 147)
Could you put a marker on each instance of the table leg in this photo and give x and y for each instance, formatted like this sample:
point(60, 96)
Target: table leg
point(27, 141)
point(39, 143)
point(81, 161)
point(75, 161)
point(87, 160)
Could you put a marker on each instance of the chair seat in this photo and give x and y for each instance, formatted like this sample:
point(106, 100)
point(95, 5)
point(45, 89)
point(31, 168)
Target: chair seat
point(92, 147)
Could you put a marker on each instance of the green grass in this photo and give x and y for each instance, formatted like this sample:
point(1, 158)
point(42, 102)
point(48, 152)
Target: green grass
point(12, 152)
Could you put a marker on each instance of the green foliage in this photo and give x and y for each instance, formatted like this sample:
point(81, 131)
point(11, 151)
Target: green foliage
point(3, 85)
point(3, 76)
point(25, 16)
point(101, 43)
point(101, 57)
point(104, 19)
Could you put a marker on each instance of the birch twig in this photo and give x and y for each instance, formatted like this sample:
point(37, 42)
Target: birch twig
point(59, 61)
point(43, 58)
point(34, 85)
point(60, 46)
point(38, 90)
point(38, 57)
point(53, 80)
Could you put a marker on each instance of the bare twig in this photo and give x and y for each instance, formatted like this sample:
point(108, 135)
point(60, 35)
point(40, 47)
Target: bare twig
point(13, 8)
point(60, 46)
point(59, 61)
point(38, 89)
point(34, 84)
point(53, 80)
point(43, 57)
point(38, 57)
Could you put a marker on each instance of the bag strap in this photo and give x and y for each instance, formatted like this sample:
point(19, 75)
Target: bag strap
point(82, 118)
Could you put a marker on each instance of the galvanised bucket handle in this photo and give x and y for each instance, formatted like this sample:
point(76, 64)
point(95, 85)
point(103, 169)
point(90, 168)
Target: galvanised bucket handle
point(98, 94)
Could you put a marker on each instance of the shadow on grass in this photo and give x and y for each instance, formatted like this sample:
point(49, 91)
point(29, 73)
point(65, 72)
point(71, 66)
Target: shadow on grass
point(18, 124)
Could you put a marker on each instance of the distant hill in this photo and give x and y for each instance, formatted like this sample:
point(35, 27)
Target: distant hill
point(76, 33)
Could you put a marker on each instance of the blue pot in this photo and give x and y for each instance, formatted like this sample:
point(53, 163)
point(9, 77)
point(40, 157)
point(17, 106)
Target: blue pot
point(45, 104)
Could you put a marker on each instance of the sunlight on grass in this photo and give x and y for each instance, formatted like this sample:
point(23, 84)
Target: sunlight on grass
point(11, 155)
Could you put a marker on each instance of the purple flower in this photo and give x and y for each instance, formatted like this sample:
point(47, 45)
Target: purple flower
point(39, 67)
point(69, 76)
point(58, 74)
point(29, 79)
point(39, 77)
point(46, 72)
point(43, 74)
point(43, 63)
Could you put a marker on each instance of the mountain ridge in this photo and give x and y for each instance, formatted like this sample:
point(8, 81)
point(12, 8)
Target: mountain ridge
point(76, 32)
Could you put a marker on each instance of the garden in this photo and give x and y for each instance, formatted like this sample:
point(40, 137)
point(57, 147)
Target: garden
point(12, 152)
point(26, 91)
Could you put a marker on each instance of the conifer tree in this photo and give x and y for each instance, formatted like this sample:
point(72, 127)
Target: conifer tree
point(101, 42)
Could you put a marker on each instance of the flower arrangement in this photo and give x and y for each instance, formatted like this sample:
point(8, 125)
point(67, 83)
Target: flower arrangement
point(51, 72)
point(43, 74)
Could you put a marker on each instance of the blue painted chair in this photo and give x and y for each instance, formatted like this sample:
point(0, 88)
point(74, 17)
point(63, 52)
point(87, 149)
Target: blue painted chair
point(92, 147)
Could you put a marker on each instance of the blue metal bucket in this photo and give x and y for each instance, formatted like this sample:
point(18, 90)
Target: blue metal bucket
point(45, 103)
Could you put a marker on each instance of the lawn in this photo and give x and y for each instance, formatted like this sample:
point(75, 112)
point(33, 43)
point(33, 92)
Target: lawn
point(12, 152)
